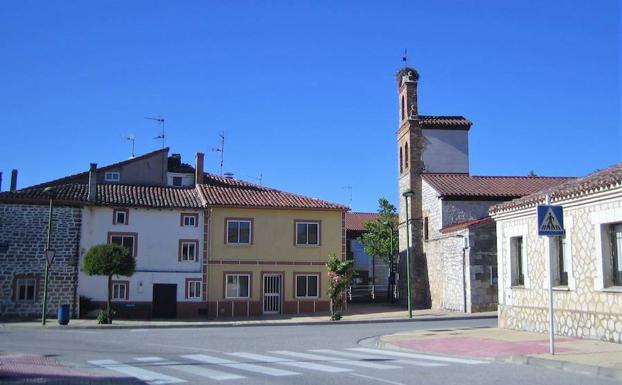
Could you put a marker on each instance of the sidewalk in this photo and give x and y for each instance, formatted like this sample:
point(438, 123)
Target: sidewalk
point(572, 354)
point(356, 313)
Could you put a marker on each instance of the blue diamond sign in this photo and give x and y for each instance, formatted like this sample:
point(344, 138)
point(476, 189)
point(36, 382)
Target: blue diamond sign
point(550, 220)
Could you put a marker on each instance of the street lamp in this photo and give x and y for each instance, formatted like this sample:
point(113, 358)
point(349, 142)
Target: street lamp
point(408, 194)
point(49, 255)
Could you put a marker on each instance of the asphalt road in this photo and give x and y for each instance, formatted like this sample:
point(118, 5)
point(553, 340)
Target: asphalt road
point(309, 354)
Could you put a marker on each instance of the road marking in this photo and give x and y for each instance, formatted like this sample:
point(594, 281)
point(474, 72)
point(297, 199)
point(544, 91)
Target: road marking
point(140, 330)
point(307, 356)
point(190, 368)
point(288, 362)
point(239, 365)
point(366, 358)
point(420, 356)
point(376, 379)
point(149, 376)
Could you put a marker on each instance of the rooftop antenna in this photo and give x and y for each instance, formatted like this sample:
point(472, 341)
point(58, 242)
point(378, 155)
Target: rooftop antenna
point(349, 188)
point(132, 139)
point(257, 178)
point(220, 149)
point(160, 121)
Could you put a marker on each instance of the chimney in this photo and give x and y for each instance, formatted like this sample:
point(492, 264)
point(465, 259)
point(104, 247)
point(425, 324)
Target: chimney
point(92, 193)
point(198, 168)
point(13, 180)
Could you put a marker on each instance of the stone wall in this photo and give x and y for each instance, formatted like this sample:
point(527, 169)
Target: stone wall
point(23, 235)
point(583, 308)
point(482, 290)
point(462, 211)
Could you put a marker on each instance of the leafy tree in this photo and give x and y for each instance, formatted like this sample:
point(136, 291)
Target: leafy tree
point(381, 237)
point(340, 272)
point(108, 260)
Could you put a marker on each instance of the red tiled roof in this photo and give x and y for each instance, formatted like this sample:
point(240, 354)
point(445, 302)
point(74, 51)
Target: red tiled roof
point(221, 191)
point(489, 187)
point(465, 225)
point(356, 221)
point(597, 181)
point(440, 121)
point(81, 176)
point(111, 195)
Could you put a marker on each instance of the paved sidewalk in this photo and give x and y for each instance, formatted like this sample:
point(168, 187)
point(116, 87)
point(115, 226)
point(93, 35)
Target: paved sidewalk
point(572, 354)
point(356, 313)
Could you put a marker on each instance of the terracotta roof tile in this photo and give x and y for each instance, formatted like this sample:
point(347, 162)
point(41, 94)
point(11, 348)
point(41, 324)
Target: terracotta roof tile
point(594, 182)
point(489, 187)
point(111, 195)
point(220, 191)
point(356, 221)
point(439, 121)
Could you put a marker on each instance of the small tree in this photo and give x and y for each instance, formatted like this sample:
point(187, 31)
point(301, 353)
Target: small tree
point(108, 260)
point(340, 272)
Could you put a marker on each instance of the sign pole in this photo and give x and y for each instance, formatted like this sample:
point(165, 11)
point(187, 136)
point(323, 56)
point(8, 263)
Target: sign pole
point(549, 268)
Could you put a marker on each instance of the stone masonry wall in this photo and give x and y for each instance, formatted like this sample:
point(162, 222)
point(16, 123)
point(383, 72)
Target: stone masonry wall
point(482, 290)
point(462, 211)
point(23, 235)
point(582, 309)
point(431, 206)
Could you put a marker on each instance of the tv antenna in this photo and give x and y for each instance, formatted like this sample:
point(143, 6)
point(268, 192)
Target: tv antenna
point(258, 178)
point(220, 149)
point(160, 121)
point(132, 139)
point(349, 188)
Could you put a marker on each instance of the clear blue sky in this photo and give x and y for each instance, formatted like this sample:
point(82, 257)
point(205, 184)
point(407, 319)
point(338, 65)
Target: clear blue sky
point(305, 90)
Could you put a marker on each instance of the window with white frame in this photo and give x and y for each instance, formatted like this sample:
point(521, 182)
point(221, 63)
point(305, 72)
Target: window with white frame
point(188, 250)
point(189, 219)
point(517, 258)
point(126, 240)
point(613, 276)
point(120, 217)
point(113, 176)
point(237, 285)
point(193, 289)
point(561, 261)
point(308, 233)
point(119, 291)
point(25, 289)
point(307, 286)
point(239, 231)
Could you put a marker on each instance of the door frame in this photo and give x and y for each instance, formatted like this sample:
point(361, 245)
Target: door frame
point(280, 274)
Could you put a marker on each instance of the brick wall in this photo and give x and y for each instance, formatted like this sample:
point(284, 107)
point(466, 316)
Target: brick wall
point(23, 234)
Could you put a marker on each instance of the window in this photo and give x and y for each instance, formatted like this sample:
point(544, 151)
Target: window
point(177, 181)
point(307, 286)
point(239, 231)
point(517, 258)
point(426, 231)
point(308, 233)
point(127, 240)
point(120, 290)
point(406, 156)
point(561, 260)
point(25, 289)
point(615, 246)
point(403, 108)
point(401, 161)
point(189, 219)
point(120, 217)
point(237, 286)
point(193, 289)
point(114, 176)
point(188, 249)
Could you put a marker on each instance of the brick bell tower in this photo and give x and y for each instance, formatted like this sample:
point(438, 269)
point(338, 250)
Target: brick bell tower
point(410, 142)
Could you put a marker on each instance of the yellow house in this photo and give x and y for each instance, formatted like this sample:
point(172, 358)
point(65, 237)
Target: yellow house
point(265, 250)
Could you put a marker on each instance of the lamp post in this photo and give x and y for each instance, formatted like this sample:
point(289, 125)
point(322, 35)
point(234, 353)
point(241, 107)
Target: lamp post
point(49, 256)
point(408, 194)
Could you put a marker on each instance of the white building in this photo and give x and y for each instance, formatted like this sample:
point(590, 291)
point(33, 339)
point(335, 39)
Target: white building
point(587, 263)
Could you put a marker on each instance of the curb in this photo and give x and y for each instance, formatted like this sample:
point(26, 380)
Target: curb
point(214, 324)
point(571, 367)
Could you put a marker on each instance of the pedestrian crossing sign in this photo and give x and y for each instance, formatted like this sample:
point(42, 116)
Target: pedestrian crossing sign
point(550, 220)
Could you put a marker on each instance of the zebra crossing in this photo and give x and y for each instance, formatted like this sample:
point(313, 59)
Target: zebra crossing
point(277, 363)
